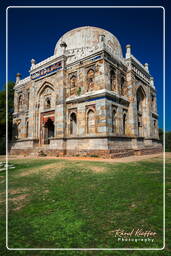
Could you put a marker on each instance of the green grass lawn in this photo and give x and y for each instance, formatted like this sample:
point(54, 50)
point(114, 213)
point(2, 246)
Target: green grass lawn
point(57, 203)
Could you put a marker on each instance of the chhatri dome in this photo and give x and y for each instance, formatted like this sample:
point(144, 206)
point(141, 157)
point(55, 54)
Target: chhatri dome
point(88, 37)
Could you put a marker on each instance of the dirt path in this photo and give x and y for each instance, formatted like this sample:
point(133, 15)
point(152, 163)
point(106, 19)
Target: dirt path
point(98, 159)
point(114, 160)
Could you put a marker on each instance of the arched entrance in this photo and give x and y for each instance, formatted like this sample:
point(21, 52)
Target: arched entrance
point(48, 130)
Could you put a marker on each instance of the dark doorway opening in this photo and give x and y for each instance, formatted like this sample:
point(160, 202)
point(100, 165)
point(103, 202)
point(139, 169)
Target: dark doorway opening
point(49, 131)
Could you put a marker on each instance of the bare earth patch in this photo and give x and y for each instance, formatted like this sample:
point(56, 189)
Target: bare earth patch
point(98, 169)
point(18, 197)
point(98, 159)
point(19, 201)
point(48, 170)
point(16, 191)
point(154, 172)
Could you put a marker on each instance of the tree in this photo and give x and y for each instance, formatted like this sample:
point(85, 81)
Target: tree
point(161, 135)
point(3, 114)
point(168, 141)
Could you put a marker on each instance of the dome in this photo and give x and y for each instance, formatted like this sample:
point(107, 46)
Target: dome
point(88, 36)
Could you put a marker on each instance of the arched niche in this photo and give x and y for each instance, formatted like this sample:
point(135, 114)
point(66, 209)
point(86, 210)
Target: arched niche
point(46, 97)
point(73, 123)
point(112, 80)
point(141, 109)
point(140, 97)
point(91, 121)
point(20, 102)
point(90, 79)
point(114, 121)
point(45, 86)
point(124, 123)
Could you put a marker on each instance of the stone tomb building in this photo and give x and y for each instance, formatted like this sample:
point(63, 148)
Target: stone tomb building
point(86, 99)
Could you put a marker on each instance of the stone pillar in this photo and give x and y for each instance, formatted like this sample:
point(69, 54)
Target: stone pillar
point(15, 101)
point(146, 67)
point(148, 114)
point(18, 78)
point(81, 119)
point(33, 63)
point(63, 45)
point(106, 76)
point(60, 110)
point(32, 113)
point(119, 128)
point(128, 51)
point(132, 110)
point(101, 113)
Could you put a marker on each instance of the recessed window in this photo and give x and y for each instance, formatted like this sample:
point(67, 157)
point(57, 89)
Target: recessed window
point(112, 80)
point(90, 78)
point(20, 103)
point(47, 103)
point(73, 81)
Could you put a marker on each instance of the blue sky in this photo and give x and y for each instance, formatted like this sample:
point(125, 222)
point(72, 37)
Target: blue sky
point(33, 33)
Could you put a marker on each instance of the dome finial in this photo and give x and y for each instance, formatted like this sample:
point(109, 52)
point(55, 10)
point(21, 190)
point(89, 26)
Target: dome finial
point(18, 77)
point(146, 67)
point(128, 51)
point(33, 63)
point(63, 45)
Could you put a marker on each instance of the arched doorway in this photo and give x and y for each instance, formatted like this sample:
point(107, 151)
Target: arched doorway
point(48, 131)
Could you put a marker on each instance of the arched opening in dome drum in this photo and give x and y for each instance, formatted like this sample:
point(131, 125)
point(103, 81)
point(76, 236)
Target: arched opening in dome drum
point(49, 131)
point(73, 124)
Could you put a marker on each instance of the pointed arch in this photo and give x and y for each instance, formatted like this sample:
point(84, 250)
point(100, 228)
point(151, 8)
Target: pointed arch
point(73, 123)
point(90, 78)
point(140, 96)
point(124, 123)
point(90, 121)
point(20, 102)
point(44, 86)
point(114, 121)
